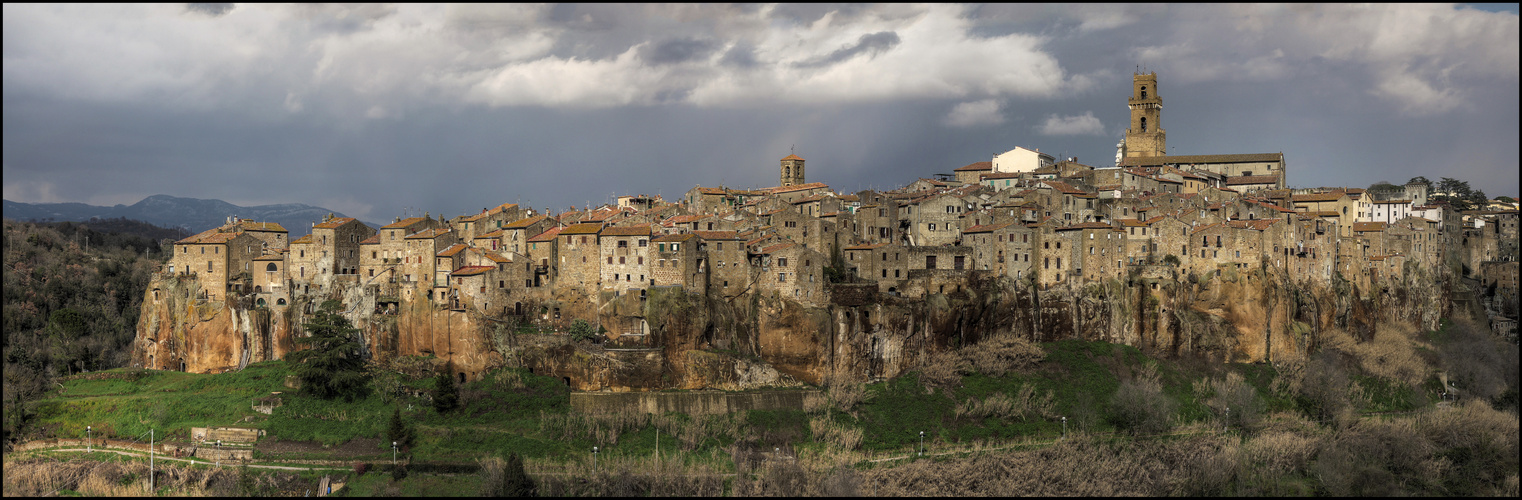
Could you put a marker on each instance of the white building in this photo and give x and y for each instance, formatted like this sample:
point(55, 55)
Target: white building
point(1021, 160)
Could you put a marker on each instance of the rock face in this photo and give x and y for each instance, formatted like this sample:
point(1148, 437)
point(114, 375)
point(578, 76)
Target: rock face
point(667, 338)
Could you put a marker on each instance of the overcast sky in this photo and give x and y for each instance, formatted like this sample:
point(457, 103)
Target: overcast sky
point(371, 110)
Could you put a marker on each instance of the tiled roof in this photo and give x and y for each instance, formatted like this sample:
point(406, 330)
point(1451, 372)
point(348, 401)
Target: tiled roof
point(791, 157)
point(806, 199)
point(683, 219)
point(1392, 202)
point(1252, 179)
point(642, 230)
point(977, 166)
point(374, 239)
point(1316, 197)
point(675, 238)
point(249, 225)
point(472, 270)
point(1064, 187)
point(493, 234)
point(585, 228)
point(403, 223)
point(1277, 208)
point(333, 223)
point(774, 248)
point(1175, 160)
point(797, 187)
point(428, 233)
point(987, 228)
point(1323, 213)
point(1086, 225)
point(302, 240)
point(1257, 224)
point(495, 257)
point(525, 222)
point(210, 236)
point(1133, 223)
point(999, 175)
point(271, 256)
point(850, 198)
point(452, 250)
point(548, 235)
point(1359, 227)
point(717, 235)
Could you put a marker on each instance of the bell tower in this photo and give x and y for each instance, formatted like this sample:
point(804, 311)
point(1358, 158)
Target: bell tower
point(792, 170)
point(1146, 136)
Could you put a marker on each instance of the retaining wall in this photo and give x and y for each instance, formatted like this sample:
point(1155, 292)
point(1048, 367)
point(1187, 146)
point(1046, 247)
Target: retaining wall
point(691, 403)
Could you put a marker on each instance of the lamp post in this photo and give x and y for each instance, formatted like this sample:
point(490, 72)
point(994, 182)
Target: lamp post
point(922, 443)
point(1064, 427)
point(89, 440)
point(393, 453)
point(594, 458)
point(150, 458)
point(1228, 420)
point(219, 453)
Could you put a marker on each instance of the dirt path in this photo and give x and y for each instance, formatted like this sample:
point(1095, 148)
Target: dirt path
point(186, 460)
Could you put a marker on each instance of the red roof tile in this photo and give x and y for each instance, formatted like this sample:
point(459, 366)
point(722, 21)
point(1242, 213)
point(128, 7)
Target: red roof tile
point(472, 270)
point(333, 223)
point(548, 235)
point(977, 166)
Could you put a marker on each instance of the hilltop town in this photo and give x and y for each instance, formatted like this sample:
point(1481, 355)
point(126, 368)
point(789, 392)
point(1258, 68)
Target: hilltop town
point(767, 267)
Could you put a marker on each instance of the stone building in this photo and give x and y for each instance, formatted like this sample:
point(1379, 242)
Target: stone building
point(679, 262)
point(1145, 135)
point(544, 258)
point(515, 234)
point(418, 269)
point(974, 172)
point(791, 170)
point(580, 258)
point(728, 267)
point(624, 251)
point(217, 257)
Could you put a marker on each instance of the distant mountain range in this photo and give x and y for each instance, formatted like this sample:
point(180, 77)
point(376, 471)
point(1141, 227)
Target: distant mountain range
point(191, 214)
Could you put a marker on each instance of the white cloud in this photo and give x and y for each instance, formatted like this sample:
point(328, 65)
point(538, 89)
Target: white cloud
point(1084, 124)
point(975, 113)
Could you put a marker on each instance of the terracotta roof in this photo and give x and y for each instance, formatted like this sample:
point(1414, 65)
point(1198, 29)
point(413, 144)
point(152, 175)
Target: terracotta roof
point(249, 225)
point(806, 199)
point(683, 219)
point(796, 187)
point(1064, 187)
point(1256, 224)
point(717, 235)
point(977, 166)
point(271, 256)
point(641, 230)
point(374, 239)
point(1252, 179)
point(452, 250)
point(987, 228)
point(1316, 197)
point(850, 197)
point(495, 257)
point(525, 222)
point(428, 234)
point(210, 236)
point(1277, 208)
point(1359, 227)
point(675, 238)
point(472, 270)
point(1134, 222)
point(585, 228)
point(1175, 160)
point(776, 247)
point(403, 223)
point(333, 223)
point(791, 157)
point(1323, 213)
point(1086, 225)
point(493, 234)
point(548, 235)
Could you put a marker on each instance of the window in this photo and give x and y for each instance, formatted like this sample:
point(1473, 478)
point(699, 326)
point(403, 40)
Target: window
point(623, 244)
point(208, 266)
point(781, 277)
point(643, 243)
point(620, 260)
point(932, 226)
point(640, 261)
point(782, 262)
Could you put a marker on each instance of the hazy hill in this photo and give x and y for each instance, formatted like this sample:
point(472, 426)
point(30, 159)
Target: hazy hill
point(192, 214)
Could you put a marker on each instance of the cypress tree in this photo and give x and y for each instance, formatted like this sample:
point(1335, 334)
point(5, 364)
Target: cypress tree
point(332, 364)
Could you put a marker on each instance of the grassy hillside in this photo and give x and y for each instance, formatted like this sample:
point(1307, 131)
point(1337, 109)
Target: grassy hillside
point(1004, 397)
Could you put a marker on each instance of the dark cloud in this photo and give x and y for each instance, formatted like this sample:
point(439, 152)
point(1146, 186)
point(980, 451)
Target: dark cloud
point(742, 55)
point(210, 9)
point(873, 44)
point(677, 50)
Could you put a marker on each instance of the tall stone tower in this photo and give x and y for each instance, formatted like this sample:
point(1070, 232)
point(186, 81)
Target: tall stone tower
point(792, 170)
point(1146, 136)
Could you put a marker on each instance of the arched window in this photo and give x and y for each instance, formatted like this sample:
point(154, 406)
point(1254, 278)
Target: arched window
point(1144, 92)
point(1144, 124)
point(271, 267)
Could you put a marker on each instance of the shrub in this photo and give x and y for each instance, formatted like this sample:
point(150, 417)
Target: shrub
point(398, 472)
point(446, 397)
point(505, 478)
point(360, 468)
point(1235, 400)
point(582, 330)
point(1139, 405)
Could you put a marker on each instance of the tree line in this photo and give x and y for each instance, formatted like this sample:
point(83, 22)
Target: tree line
point(73, 294)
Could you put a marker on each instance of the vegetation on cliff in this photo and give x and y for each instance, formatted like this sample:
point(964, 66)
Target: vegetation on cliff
point(72, 298)
point(331, 365)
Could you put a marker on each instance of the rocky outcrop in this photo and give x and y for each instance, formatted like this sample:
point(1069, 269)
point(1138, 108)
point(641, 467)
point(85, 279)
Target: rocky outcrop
point(668, 338)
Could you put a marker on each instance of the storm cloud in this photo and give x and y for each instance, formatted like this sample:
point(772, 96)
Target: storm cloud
point(447, 108)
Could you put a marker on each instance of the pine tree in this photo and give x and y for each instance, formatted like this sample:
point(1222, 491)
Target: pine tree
point(515, 480)
point(332, 364)
point(398, 430)
point(445, 397)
